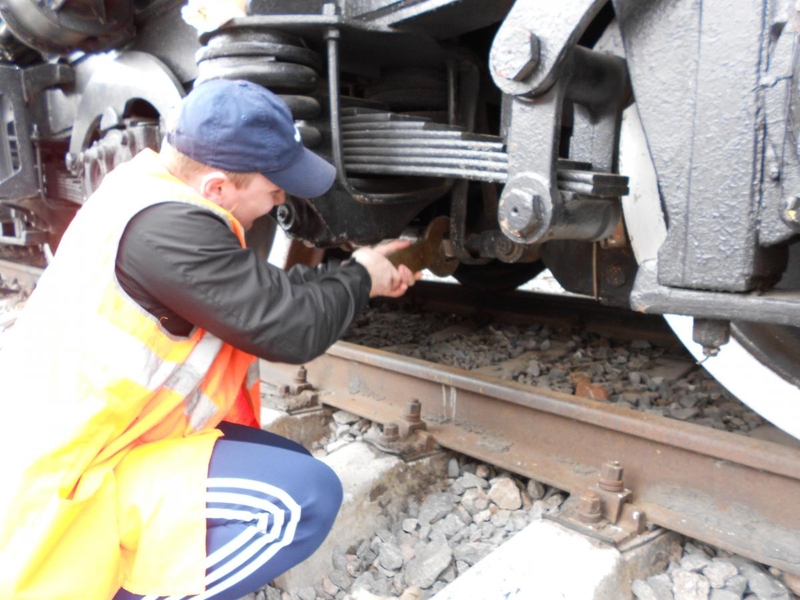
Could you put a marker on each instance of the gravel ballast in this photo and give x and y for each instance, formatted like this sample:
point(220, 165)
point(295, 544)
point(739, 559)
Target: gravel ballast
point(474, 509)
point(636, 374)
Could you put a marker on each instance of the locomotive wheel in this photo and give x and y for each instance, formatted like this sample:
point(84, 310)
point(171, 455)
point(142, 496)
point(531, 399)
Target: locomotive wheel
point(497, 276)
point(760, 365)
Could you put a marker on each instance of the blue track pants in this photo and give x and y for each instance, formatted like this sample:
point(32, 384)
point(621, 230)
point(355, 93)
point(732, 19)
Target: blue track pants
point(269, 506)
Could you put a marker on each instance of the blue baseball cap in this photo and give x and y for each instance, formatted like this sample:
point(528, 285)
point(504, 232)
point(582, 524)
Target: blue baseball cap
point(242, 127)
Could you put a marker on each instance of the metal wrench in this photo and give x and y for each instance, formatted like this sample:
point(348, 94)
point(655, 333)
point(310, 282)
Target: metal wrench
point(426, 253)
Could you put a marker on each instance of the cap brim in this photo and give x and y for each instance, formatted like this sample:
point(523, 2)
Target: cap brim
point(309, 177)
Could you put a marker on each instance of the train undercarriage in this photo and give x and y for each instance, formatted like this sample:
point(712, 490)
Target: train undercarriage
point(643, 151)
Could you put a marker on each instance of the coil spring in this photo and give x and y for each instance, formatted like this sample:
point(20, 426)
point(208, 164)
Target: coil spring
point(277, 60)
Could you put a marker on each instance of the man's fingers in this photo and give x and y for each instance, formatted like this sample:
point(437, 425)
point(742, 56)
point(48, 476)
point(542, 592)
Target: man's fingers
point(409, 277)
point(405, 273)
point(398, 291)
point(387, 280)
point(387, 248)
point(398, 278)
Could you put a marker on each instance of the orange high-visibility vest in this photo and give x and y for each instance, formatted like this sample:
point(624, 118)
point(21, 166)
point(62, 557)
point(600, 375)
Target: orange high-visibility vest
point(109, 420)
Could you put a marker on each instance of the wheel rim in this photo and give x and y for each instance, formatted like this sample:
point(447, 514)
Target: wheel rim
point(760, 365)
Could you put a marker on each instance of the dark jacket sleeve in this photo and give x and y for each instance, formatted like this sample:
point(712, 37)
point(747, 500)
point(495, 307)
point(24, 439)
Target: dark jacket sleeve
point(188, 260)
point(305, 274)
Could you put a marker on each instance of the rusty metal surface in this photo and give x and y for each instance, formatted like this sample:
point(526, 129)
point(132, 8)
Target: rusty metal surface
point(728, 490)
point(427, 252)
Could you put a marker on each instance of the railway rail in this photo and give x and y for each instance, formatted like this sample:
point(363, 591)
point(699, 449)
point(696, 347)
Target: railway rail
point(627, 471)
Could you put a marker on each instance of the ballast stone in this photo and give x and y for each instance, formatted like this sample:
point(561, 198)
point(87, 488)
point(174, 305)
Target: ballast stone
point(540, 562)
point(719, 571)
point(505, 494)
point(425, 568)
point(689, 585)
point(724, 595)
point(658, 587)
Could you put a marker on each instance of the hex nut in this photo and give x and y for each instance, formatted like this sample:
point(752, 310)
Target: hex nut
point(414, 410)
point(506, 250)
point(589, 508)
point(515, 54)
point(611, 477)
point(519, 212)
point(391, 431)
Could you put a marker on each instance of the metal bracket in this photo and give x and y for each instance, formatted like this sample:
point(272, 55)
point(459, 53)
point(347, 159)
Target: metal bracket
point(19, 175)
point(418, 444)
point(294, 397)
point(774, 306)
point(541, 201)
point(534, 40)
point(407, 437)
point(605, 511)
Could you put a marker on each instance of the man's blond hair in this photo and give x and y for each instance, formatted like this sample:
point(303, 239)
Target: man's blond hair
point(187, 168)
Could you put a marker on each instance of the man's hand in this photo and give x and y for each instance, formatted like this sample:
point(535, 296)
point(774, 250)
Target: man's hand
point(386, 279)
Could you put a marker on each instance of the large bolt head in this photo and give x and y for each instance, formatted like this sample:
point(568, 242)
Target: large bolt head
point(520, 212)
point(515, 53)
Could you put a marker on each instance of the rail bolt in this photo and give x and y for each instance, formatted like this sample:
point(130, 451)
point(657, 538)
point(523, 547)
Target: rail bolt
point(391, 432)
point(301, 376)
point(589, 510)
point(611, 477)
point(414, 411)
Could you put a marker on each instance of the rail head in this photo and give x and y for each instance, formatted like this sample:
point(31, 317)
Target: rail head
point(726, 489)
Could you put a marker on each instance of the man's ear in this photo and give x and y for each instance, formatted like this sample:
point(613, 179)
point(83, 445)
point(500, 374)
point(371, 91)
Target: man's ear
point(214, 186)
